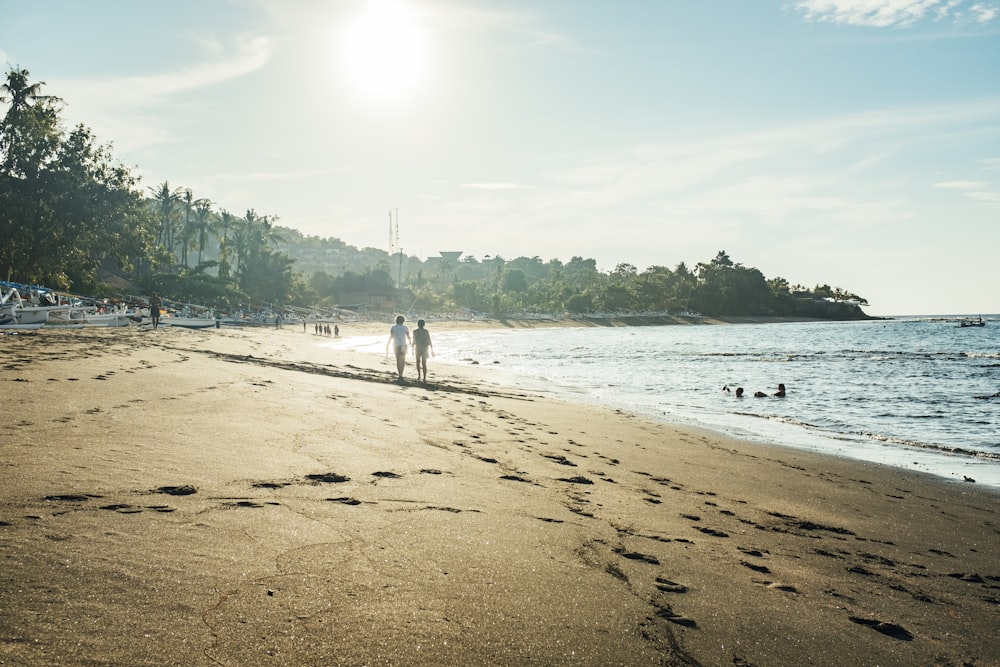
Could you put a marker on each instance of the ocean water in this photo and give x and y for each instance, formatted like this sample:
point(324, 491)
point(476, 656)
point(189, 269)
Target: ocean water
point(917, 393)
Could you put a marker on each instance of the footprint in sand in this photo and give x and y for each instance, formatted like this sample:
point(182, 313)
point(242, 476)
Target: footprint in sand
point(560, 459)
point(667, 586)
point(182, 490)
point(888, 629)
point(328, 478)
point(665, 612)
point(575, 480)
point(711, 531)
point(122, 508)
point(635, 555)
point(784, 588)
point(344, 500)
point(72, 497)
point(763, 569)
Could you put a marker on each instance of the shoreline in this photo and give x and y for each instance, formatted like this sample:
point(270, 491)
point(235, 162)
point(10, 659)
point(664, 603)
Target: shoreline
point(604, 322)
point(240, 497)
point(964, 466)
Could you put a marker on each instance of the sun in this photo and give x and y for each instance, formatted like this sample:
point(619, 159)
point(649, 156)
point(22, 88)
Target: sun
point(383, 50)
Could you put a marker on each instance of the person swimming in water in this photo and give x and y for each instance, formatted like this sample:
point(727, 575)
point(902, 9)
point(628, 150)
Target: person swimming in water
point(781, 391)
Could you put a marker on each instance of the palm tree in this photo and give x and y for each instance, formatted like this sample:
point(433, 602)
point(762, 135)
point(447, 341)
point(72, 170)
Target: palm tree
point(254, 236)
point(166, 206)
point(204, 221)
point(29, 131)
point(227, 221)
point(187, 229)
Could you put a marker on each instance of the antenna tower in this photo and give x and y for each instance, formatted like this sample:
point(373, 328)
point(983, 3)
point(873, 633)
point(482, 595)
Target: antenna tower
point(392, 247)
point(399, 249)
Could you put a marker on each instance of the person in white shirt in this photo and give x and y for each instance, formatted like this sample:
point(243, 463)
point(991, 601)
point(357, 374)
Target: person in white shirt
point(399, 338)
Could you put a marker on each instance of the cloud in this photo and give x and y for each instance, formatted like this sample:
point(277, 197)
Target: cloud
point(276, 176)
point(497, 186)
point(130, 108)
point(985, 197)
point(252, 53)
point(977, 191)
point(961, 185)
point(892, 13)
point(985, 13)
point(526, 25)
point(803, 179)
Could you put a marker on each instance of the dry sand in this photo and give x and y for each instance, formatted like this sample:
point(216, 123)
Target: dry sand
point(244, 497)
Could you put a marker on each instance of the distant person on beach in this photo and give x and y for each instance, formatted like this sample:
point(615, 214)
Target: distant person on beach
point(155, 305)
point(399, 338)
point(421, 346)
point(336, 331)
point(781, 391)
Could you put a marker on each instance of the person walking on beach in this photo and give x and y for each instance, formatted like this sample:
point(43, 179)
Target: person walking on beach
point(399, 338)
point(421, 346)
point(155, 305)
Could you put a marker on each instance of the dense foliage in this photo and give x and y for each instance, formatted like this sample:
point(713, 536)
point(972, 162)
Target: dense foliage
point(72, 218)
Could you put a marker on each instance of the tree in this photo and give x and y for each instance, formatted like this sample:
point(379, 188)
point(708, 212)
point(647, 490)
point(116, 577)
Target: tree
point(29, 133)
point(190, 228)
point(204, 220)
point(166, 208)
point(227, 221)
point(514, 280)
point(65, 205)
point(722, 259)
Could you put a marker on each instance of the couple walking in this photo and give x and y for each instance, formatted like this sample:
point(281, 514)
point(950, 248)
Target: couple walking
point(399, 338)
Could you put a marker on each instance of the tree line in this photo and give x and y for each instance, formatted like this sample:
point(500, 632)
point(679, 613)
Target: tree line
point(73, 218)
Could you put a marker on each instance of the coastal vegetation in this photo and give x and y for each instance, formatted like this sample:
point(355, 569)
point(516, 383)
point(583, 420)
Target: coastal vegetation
point(74, 219)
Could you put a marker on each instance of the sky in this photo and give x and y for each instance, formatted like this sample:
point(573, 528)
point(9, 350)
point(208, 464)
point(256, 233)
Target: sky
point(854, 143)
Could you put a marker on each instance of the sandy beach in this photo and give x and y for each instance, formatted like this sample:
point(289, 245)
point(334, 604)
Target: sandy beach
point(246, 497)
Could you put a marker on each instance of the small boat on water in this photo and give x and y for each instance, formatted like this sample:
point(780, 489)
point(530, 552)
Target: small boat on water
point(978, 322)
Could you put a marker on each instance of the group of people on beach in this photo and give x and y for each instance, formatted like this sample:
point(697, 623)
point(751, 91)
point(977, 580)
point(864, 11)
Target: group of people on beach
point(323, 329)
point(757, 394)
point(401, 341)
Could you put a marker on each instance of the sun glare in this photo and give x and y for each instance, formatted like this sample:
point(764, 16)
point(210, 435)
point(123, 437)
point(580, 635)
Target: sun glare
point(383, 50)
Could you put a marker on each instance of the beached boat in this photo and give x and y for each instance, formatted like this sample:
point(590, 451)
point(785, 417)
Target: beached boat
point(30, 311)
point(10, 324)
point(92, 316)
point(187, 322)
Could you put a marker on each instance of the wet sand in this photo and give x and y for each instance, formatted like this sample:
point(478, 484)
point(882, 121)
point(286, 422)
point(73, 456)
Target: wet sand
point(245, 497)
